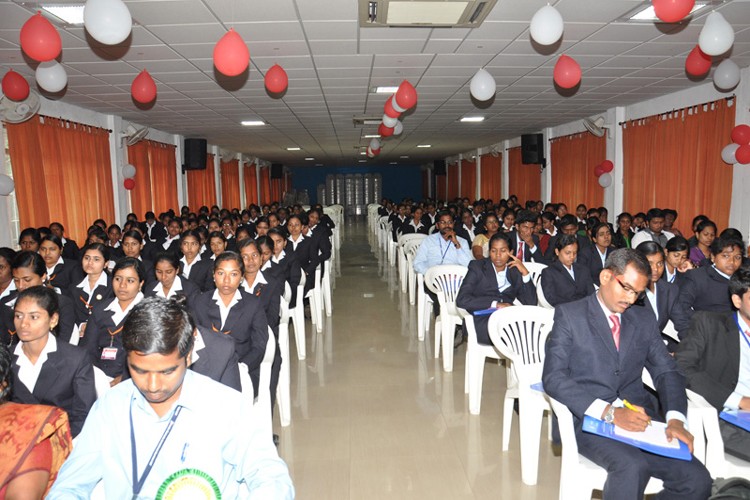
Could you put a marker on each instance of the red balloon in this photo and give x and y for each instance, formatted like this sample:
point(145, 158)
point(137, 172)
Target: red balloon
point(743, 154)
point(740, 133)
point(672, 11)
point(143, 88)
point(567, 72)
point(697, 62)
point(406, 95)
point(15, 86)
point(129, 184)
point(276, 79)
point(598, 170)
point(607, 166)
point(388, 108)
point(231, 55)
point(39, 39)
point(385, 131)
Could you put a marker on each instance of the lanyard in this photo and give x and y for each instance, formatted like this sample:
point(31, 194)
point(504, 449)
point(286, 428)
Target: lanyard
point(442, 258)
point(742, 332)
point(139, 482)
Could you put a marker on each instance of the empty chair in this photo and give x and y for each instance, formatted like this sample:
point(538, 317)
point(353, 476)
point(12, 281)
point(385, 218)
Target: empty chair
point(445, 281)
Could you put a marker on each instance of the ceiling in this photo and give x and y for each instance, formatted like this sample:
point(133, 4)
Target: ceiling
point(332, 64)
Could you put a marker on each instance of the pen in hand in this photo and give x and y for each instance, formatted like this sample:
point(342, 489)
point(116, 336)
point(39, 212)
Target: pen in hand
point(633, 408)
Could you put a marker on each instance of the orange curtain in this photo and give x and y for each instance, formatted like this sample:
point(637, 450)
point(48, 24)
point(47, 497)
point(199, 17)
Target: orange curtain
point(440, 188)
point(674, 161)
point(62, 172)
point(452, 181)
point(202, 185)
point(265, 186)
point(155, 178)
point(491, 181)
point(574, 158)
point(276, 190)
point(524, 181)
point(251, 185)
point(469, 179)
point(230, 184)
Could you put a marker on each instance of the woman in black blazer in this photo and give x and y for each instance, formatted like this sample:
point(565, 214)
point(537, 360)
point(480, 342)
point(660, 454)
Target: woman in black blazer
point(415, 225)
point(168, 282)
point(59, 271)
point(624, 234)
point(558, 285)
point(103, 334)
point(244, 320)
point(601, 236)
point(95, 286)
point(495, 282)
point(133, 245)
point(300, 250)
point(66, 379)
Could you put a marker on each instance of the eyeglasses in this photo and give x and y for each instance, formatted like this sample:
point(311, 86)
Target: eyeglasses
point(630, 290)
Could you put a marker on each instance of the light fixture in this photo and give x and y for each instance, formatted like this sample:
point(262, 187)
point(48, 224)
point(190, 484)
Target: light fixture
point(363, 152)
point(309, 158)
point(403, 157)
point(648, 14)
point(372, 136)
point(424, 145)
point(362, 161)
point(385, 90)
point(252, 123)
point(68, 13)
point(293, 149)
point(472, 119)
point(394, 163)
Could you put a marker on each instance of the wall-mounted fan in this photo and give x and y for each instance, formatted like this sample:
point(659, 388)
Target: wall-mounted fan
point(495, 151)
point(19, 111)
point(227, 156)
point(133, 134)
point(595, 126)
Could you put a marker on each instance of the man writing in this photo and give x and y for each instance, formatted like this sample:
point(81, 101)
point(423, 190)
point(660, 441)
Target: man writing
point(169, 429)
point(595, 355)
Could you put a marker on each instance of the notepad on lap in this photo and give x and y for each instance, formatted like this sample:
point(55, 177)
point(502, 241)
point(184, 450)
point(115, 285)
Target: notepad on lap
point(653, 439)
point(739, 418)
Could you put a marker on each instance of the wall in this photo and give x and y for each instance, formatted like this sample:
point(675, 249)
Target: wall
point(398, 181)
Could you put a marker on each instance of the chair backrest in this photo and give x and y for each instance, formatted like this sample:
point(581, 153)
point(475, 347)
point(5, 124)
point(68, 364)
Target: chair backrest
point(403, 239)
point(567, 434)
point(541, 299)
point(535, 269)
point(445, 282)
point(411, 247)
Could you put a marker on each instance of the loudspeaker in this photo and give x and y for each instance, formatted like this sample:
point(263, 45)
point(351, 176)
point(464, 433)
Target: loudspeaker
point(277, 171)
point(439, 167)
point(532, 149)
point(196, 151)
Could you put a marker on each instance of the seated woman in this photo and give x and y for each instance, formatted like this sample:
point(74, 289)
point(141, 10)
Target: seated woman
point(33, 453)
point(7, 287)
point(190, 245)
point(494, 283)
point(103, 338)
point(480, 247)
point(601, 236)
point(621, 239)
point(29, 239)
point(705, 234)
point(168, 281)
point(133, 245)
point(661, 295)
point(60, 273)
point(566, 280)
point(415, 224)
point(676, 262)
point(45, 370)
point(95, 287)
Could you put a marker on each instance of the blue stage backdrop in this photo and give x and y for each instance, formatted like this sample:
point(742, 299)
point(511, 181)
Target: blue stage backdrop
point(398, 181)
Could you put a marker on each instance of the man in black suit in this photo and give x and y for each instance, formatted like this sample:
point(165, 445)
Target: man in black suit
point(70, 247)
point(153, 229)
point(715, 368)
point(661, 296)
point(595, 355)
point(524, 244)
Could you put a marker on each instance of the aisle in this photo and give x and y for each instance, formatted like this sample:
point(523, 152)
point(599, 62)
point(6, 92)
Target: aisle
point(375, 417)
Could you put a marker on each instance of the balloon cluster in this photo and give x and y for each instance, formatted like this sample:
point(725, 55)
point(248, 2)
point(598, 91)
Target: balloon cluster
point(716, 38)
point(232, 58)
point(404, 98)
point(739, 150)
point(15, 86)
point(546, 28)
point(602, 171)
point(128, 172)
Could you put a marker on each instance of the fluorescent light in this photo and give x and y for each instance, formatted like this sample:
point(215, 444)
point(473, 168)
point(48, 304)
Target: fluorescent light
point(372, 136)
point(648, 13)
point(362, 161)
point(403, 156)
point(394, 163)
point(372, 122)
point(472, 119)
point(293, 149)
point(252, 123)
point(363, 152)
point(71, 14)
point(424, 145)
point(310, 158)
point(385, 90)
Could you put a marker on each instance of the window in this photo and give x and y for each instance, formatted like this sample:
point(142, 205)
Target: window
point(11, 210)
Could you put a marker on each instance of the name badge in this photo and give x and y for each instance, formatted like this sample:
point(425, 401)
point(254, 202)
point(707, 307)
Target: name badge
point(109, 353)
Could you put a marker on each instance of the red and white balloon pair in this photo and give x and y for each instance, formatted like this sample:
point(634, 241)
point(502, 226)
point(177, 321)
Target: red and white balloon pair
point(739, 150)
point(405, 98)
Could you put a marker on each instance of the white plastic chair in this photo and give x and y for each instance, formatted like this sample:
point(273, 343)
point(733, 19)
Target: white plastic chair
point(476, 354)
point(325, 286)
point(519, 333)
point(403, 263)
point(535, 270)
point(410, 251)
point(101, 382)
point(670, 331)
point(283, 391)
point(579, 476)
point(263, 398)
point(540, 294)
point(424, 305)
point(316, 301)
point(445, 281)
point(298, 319)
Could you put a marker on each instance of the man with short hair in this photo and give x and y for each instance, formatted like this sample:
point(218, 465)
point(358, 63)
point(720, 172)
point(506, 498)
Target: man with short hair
point(568, 225)
point(595, 355)
point(524, 244)
point(169, 429)
point(654, 230)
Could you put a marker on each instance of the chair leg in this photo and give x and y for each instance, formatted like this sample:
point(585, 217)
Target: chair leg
point(508, 402)
point(283, 389)
point(326, 285)
point(298, 320)
point(411, 279)
point(421, 305)
point(438, 335)
point(475, 389)
point(447, 333)
point(530, 423)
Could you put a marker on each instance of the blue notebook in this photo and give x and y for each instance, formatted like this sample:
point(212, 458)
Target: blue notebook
point(650, 438)
point(484, 312)
point(739, 418)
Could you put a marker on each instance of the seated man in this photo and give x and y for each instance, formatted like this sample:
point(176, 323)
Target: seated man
point(595, 355)
point(654, 230)
point(715, 368)
point(201, 435)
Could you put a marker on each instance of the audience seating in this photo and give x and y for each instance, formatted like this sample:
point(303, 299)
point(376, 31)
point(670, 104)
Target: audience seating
point(410, 251)
point(445, 281)
point(403, 263)
point(298, 319)
point(284, 389)
point(476, 355)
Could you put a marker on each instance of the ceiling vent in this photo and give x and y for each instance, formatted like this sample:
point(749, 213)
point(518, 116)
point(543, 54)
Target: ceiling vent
point(424, 13)
point(361, 121)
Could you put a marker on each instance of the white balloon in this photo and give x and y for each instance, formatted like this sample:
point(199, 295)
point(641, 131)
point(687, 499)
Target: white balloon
point(6, 185)
point(605, 180)
point(726, 75)
point(482, 85)
point(51, 76)
point(398, 128)
point(375, 144)
point(546, 26)
point(389, 122)
point(717, 35)
point(727, 154)
point(370, 154)
point(395, 105)
point(128, 171)
point(108, 21)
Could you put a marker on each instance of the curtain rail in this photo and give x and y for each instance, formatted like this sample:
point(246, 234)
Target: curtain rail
point(677, 110)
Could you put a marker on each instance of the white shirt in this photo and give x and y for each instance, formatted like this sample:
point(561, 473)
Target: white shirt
point(471, 232)
point(743, 381)
point(570, 271)
point(224, 310)
point(197, 346)
point(176, 287)
point(278, 259)
point(670, 276)
point(84, 285)
point(168, 241)
point(652, 300)
point(51, 270)
point(258, 279)
point(8, 290)
point(295, 243)
point(120, 314)
point(267, 265)
point(28, 372)
point(602, 256)
point(186, 268)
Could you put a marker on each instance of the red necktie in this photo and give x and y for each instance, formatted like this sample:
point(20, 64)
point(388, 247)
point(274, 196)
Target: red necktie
point(519, 255)
point(615, 330)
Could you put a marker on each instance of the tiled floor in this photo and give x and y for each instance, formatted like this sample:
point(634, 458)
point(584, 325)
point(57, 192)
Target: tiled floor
point(374, 415)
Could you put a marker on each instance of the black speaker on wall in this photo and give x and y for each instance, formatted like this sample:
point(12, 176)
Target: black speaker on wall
point(277, 171)
point(439, 167)
point(196, 151)
point(532, 149)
